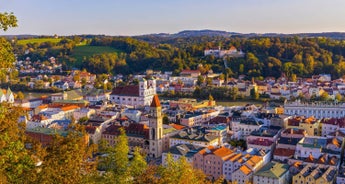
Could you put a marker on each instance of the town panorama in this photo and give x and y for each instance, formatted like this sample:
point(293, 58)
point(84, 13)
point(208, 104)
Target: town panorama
point(197, 106)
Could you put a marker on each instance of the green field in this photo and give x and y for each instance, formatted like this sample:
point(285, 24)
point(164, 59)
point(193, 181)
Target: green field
point(38, 40)
point(80, 52)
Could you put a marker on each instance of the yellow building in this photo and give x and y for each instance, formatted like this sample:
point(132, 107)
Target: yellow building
point(279, 110)
point(191, 104)
point(311, 125)
point(311, 174)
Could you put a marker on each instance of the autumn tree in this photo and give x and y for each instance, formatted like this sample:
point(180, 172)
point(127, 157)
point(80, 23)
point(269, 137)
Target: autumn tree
point(18, 164)
point(20, 95)
point(66, 159)
point(179, 172)
point(7, 20)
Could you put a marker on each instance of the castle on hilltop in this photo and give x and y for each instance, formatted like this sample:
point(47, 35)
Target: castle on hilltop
point(232, 52)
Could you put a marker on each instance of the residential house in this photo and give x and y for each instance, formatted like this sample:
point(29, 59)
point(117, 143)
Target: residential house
point(198, 117)
point(182, 150)
point(315, 174)
point(211, 159)
point(316, 146)
point(242, 127)
point(195, 136)
point(245, 173)
point(238, 158)
point(272, 172)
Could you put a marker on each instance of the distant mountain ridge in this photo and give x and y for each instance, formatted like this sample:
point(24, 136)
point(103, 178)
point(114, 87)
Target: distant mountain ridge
point(208, 32)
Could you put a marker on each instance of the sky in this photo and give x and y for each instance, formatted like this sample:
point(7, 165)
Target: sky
point(137, 17)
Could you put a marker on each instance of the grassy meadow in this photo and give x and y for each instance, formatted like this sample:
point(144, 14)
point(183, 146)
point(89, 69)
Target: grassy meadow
point(79, 52)
point(38, 40)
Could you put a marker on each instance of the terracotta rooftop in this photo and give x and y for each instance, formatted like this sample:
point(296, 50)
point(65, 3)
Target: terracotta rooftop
point(70, 107)
point(155, 102)
point(223, 152)
point(176, 126)
point(254, 160)
point(245, 169)
point(235, 157)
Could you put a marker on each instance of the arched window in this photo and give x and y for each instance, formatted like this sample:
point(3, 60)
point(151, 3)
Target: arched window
point(153, 133)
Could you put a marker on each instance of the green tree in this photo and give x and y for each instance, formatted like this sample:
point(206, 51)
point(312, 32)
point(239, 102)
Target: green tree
point(233, 93)
point(138, 165)
point(116, 162)
point(254, 94)
point(165, 120)
point(200, 80)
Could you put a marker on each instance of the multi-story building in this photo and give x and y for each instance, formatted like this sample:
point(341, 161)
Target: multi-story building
point(191, 104)
point(83, 112)
point(315, 147)
point(242, 128)
point(272, 172)
point(331, 125)
point(135, 95)
point(182, 150)
point(245, 172)
point(310, 174)
point(211, 160)
point(238, 158)
point(311, 126)
point(196, 136)
point(316, 109)
point(198, 117)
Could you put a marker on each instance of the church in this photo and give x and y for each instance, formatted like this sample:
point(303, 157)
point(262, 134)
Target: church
point(149, 138)
point(135, 95)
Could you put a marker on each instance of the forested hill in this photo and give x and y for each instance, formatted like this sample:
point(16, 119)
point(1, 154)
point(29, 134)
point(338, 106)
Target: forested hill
point(291, 55)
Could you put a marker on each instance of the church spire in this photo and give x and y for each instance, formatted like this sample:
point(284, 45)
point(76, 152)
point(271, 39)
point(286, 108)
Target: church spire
point(155, 102)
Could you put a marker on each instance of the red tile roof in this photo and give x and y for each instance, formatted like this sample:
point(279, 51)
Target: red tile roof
point(132, 90)
point(189, 71)
point(90, 129)
point(284, 152)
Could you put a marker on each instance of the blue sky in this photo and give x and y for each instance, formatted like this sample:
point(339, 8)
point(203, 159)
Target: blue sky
point(136, 17)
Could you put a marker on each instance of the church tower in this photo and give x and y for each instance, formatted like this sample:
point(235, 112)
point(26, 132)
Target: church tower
point(156, 128)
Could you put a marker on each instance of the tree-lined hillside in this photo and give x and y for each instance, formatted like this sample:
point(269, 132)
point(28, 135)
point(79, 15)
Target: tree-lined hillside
point(265, 56)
